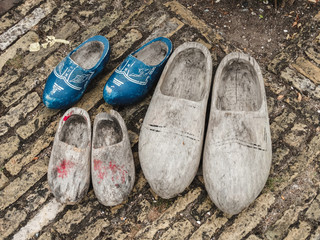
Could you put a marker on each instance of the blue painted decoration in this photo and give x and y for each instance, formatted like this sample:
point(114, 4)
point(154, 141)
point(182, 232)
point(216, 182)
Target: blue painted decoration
point(132, 80)
point(68, 81)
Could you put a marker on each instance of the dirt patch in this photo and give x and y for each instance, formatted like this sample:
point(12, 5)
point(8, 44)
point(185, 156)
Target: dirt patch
point(255, 27)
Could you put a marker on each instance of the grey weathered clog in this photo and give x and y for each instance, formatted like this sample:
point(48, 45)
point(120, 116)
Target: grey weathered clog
point(69, 165)
point(171, 136)
point(237, 153)
point(112, 165)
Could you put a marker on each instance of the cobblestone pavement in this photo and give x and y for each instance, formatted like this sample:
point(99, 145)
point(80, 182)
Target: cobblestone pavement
point(287, 208)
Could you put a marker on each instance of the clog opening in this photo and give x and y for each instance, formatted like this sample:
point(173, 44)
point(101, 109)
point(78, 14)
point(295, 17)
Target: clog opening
point(108, 132)
point(88, 55)
point(186, 76)
point(75, 131)
point(153, 54)
point(239, 88)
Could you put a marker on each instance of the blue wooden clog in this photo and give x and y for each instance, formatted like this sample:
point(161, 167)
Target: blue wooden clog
point(136, 75)
point(68, 81)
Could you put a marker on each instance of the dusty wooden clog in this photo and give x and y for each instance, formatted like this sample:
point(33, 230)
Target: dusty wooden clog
point(112, 165)
point(171, 136)
point(69, 165)
point(237, 153)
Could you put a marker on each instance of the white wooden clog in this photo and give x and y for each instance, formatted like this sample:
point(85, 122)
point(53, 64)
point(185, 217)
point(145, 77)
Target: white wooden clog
point(69, 165)
point(112, 165)
point(237, 153)
point(171, 136)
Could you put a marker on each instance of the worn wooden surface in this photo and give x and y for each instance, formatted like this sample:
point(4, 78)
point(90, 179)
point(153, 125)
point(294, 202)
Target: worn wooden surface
point(237, 153)
point(171, 136)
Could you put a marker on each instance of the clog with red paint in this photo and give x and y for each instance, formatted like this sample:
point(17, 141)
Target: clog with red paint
point(69, 165)
point(112, 165)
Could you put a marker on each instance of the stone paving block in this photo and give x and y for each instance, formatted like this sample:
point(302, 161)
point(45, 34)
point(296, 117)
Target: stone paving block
point(93, 230)
point(297, 135)
point(308, 69)
point(316, 234)
point(3, 178)
point(279, 62)
point(279, 154)
point(106, 21)
point(208, 229)
point(253, 237)
point(46, 236)
point(194, 21)
point(165, 220)
point(15, 93)
point(301, 233)
point(281, 123)
point(313, 213)
point(17, 113)
point(300, 82)
point(16, 163)
point(36, 198)
point(8, 148)
point(40, 119)
point(204, 207)
point(117, 234)
point(144, 207)
point(22, 184)
point(26, 24)
point(248, 219)
point(134, 14)
point(72, 217)
point(42, 218)
point(11, 221)
point(34, 58)
point(179, 230)
point(166, 29)
point(3, 127)
point(313, 150)
point(280, 228)
point(312, 54)
point(9, 19)
point(273, 85)
point(22, 44)
point(125, 43)
point(317, 17)
point(7, 78)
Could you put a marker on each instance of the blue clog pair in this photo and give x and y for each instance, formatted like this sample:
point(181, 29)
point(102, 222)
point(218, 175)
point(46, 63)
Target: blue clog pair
point(128, 84)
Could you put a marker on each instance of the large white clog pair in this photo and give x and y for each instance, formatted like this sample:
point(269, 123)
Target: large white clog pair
point(237, 148)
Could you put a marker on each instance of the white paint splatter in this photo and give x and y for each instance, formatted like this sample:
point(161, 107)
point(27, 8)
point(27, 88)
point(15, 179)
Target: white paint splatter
point(21, 27)
point(41, 219)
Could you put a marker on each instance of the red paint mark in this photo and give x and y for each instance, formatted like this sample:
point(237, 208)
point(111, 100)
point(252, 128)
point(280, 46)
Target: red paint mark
point(102, 171)
point(64, 167)
point(67, 116)
point(117, 169)
point(117, 172)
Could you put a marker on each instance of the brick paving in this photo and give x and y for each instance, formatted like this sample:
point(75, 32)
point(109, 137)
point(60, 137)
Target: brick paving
point(287, 208)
